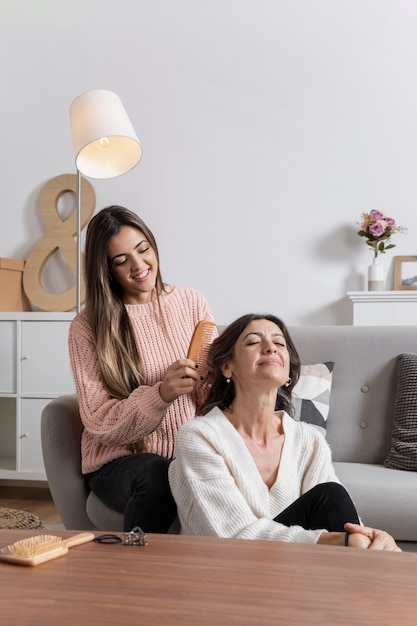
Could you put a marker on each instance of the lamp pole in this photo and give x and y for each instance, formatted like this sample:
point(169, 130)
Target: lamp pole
point(78, 264)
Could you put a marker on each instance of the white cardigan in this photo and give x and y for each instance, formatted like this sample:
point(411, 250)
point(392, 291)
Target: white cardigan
point(219, 490)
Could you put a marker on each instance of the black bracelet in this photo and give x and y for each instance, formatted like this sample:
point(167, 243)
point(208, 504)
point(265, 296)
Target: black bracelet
point(346, 539)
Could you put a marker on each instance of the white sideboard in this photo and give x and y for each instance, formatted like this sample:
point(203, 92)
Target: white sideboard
point(34, 367)
point(384, 308)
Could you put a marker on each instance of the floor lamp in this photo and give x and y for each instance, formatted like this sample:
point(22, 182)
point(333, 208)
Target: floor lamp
point(105, 145)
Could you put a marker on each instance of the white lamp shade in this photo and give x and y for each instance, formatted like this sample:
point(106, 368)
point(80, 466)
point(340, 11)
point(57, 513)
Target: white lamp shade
point(104, 140)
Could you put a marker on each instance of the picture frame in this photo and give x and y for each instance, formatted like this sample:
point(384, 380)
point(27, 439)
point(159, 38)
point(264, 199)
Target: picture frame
point(405, 273)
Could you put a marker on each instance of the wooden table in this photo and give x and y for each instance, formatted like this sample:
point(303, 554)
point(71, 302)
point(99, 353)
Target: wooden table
point(180, 580)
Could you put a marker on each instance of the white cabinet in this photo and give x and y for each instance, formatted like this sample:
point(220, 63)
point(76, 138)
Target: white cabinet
point(7, 357)
point(384, 308)
point(34, 368)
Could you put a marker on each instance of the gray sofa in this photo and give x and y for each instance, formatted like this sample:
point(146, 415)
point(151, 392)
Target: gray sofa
point(359, 430)
point(361, 415)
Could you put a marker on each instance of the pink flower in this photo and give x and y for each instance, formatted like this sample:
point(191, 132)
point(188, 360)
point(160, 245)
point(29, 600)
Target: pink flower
point(378, 228)
point(377, 215)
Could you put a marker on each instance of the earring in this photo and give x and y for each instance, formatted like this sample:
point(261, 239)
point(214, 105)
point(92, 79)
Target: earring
point(228, 380)
point(288, 383)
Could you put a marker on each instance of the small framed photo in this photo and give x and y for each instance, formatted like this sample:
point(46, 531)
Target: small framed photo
point(405, 272)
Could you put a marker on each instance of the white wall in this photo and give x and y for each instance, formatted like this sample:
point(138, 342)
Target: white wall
point(268, 126)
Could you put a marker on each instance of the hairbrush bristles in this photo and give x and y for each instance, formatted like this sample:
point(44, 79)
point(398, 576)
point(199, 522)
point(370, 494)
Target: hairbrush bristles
point(40, 548)
point(202, 338)
point(33, 545)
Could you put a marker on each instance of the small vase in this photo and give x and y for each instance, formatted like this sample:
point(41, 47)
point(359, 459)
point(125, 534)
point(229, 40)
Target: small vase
point(375, 276)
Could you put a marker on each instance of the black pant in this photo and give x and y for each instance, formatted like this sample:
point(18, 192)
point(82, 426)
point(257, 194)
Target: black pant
point(326, 506)
point(137, 486)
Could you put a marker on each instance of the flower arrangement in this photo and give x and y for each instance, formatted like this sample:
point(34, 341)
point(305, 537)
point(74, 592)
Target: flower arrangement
point(378, 229)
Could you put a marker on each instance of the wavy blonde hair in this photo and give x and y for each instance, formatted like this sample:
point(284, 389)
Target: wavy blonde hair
point(117, 354)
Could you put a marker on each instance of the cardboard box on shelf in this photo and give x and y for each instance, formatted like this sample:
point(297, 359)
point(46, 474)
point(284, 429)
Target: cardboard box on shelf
point(12, 296)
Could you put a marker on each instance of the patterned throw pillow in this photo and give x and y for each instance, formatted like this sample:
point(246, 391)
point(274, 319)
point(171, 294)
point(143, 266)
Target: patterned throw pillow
point(311, 394)
point(403, 453)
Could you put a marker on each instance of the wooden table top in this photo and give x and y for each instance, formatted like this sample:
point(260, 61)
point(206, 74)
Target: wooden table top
point(187, 581)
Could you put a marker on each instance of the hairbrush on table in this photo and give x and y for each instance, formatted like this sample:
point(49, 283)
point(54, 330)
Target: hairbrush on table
point(41, 548)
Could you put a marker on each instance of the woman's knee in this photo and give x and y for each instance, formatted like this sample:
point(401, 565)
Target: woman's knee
point(332, 489)
point(336, 495)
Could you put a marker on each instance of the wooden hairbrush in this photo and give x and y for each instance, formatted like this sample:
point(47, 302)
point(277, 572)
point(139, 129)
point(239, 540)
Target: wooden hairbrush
point(203, 335)
point(41, 548)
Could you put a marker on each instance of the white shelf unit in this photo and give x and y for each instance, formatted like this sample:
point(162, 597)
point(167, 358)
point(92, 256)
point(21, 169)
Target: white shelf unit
point(384, 308)
point(34, 368)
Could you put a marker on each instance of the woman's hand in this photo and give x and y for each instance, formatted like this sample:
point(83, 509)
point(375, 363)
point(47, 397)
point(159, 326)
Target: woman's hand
point(180, 378)
point(360, 537)
point(374, 538)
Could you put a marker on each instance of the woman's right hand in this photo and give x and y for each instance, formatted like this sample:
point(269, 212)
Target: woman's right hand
point(371, 538)
point(180, 378)
point(360, 537)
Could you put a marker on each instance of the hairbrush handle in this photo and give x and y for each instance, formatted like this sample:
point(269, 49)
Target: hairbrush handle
point(78, 539)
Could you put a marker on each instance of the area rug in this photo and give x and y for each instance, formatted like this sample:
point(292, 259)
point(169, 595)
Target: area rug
point(14, 518)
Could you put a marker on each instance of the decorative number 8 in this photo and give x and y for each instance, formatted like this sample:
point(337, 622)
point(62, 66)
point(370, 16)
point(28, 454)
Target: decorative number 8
point(60, 236)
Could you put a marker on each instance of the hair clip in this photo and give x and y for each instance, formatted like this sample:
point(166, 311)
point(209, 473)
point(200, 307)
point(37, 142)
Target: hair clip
point(136, 537)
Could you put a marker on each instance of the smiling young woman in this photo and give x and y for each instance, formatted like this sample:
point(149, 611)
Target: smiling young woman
point(134, 383)
point(133, 265)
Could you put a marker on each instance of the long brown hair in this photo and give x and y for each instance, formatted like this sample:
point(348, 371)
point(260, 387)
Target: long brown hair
point(222, 393)
point(117, 353)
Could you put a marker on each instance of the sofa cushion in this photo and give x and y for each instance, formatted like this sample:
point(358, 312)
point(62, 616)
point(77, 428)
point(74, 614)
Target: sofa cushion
point(311, 394)
point(382, 497)
point(403, 452)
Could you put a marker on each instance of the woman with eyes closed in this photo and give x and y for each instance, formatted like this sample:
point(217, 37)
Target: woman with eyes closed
point(245, 468)
point(135, 385)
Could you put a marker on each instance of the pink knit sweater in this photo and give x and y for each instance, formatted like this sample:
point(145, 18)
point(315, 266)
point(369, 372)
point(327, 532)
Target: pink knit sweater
point(110, 425)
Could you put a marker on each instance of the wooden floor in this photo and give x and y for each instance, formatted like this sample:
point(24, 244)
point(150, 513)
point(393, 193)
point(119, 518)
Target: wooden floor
point(37, 500)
